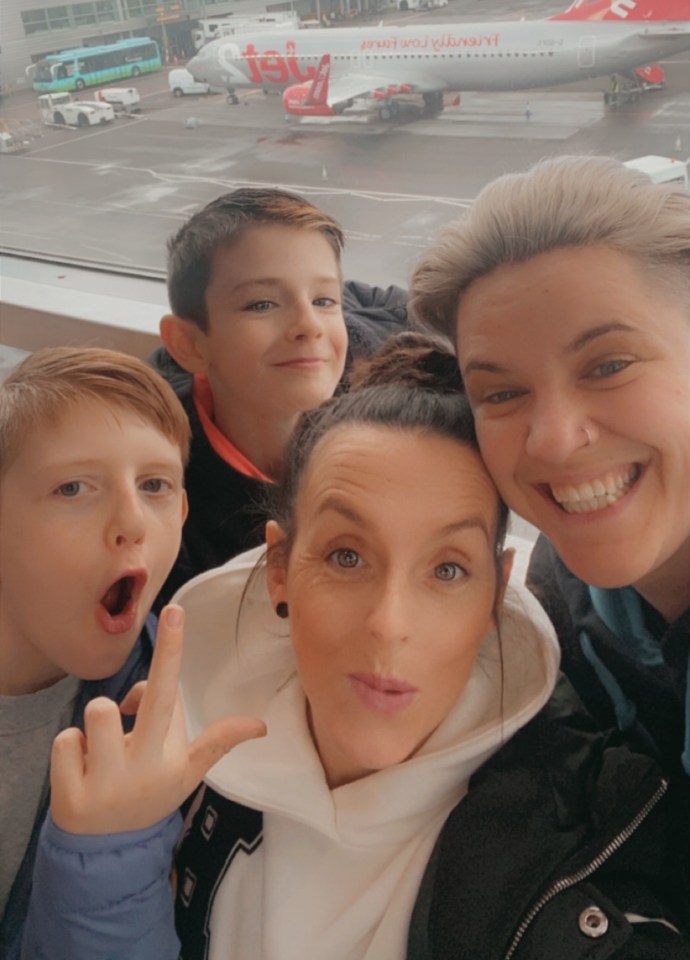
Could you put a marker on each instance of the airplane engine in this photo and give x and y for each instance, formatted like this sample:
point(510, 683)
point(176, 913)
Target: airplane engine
point(297, 100)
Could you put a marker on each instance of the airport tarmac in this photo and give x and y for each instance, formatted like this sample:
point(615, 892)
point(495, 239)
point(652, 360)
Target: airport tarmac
point(114, 194)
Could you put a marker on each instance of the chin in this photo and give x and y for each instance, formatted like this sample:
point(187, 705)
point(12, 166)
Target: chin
point(606, 571)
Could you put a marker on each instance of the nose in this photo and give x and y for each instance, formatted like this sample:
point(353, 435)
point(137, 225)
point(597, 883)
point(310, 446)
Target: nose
point(126, 524)
point(305, 322)
point(557, 428)
point(389, 619)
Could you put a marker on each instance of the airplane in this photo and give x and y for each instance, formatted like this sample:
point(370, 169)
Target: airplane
point(431, 59)
point(651, 76)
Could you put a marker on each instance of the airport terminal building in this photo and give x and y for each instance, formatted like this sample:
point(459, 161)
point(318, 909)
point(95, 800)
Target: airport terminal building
point(31, 29)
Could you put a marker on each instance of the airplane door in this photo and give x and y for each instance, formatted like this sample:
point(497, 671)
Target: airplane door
point(585, 52)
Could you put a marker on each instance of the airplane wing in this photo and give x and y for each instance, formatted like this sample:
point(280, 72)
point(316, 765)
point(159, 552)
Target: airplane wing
point(350, 85)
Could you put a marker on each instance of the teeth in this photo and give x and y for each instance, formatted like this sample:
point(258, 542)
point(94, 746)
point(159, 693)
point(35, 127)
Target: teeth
point(597, 494)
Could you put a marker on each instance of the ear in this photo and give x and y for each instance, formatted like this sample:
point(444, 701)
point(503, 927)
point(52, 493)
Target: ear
point(276, 563)
point(185, 342)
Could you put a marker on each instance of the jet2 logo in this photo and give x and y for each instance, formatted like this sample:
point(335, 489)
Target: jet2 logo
point(266, 66)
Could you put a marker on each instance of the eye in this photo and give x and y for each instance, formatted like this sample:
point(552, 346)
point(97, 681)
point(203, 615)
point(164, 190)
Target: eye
point(156, 485)
point(346, 558)
point(609, 368)
point(259, 306)
point(325, 302)
point(500, 396)
point(70, 489)
point(449, 571)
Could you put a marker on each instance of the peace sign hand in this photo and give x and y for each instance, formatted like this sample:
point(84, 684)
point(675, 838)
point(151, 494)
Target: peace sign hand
point(106, 781)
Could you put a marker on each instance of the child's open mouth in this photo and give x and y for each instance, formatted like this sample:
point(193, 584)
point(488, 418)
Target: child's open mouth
point(118, 605)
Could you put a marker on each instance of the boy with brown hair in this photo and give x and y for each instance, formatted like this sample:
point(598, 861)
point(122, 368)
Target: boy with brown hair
point(93, 445)
point(256, 336)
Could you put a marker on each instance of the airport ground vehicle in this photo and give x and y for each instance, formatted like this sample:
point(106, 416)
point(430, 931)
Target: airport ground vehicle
point(121, 99)
point(214, 27)
point(181, 82)
point(61, 109)
point(663, 169)
point(91, 66)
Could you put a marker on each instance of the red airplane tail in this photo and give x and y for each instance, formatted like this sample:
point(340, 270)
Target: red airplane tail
point(318, 92)
point(310, 99)
point(677, 10)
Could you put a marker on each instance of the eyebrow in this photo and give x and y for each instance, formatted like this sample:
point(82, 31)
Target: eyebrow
point(596, 332)
point(276, 281)
point(152, 466)
point(333, 503)
point(473, 522)
point(577, 344)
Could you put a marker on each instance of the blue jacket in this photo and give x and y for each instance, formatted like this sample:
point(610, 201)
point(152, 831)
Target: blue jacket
point(135, 668)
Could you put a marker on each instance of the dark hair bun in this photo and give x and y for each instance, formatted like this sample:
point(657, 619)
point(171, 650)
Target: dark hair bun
point(413, 359)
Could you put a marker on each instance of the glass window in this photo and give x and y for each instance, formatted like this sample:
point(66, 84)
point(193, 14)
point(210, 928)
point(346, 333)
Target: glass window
point(34, 21)
point(106, 11)
point(83, 13)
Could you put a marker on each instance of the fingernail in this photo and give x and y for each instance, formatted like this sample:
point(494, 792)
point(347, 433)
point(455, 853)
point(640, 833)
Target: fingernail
point(174, 616)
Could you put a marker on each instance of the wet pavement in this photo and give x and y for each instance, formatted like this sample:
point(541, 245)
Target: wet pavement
point(115, 193)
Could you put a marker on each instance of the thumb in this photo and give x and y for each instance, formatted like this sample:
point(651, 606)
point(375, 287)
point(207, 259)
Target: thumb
point(217, 740)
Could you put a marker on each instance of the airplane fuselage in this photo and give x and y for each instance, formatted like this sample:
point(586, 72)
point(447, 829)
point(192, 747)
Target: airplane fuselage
point(455, 57)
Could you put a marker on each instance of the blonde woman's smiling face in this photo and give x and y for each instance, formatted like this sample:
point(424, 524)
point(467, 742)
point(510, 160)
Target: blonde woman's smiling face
point(577, 365)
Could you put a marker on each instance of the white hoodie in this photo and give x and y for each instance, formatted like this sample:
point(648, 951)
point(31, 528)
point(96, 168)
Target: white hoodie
point(338, 871)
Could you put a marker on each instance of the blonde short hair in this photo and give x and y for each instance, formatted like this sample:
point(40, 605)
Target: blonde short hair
point(569, 201)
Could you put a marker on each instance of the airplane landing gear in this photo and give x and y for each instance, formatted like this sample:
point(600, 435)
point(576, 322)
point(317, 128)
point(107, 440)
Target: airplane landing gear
point(433, 103)
point(232, 97)
point(389, 111)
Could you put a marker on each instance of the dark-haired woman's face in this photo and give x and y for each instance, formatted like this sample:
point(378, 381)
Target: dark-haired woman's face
point(390, 584)
point(577, 365)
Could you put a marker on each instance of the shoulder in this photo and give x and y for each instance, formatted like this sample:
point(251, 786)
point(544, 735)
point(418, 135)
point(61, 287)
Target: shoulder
point(563, 817)
point(381, 312)
point(178, 378)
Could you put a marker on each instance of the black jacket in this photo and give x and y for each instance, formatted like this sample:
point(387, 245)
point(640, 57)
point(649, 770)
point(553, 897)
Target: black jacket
point(561, 850)
point(655, 694)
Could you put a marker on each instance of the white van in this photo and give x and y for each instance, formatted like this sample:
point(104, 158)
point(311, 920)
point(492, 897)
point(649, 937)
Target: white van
point(182, 82)
point(662, 170)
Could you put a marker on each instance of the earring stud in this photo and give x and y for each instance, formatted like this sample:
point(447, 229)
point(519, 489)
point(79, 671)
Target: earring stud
point(282, 610)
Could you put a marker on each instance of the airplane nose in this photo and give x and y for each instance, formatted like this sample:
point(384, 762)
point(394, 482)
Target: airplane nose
point(195, 65)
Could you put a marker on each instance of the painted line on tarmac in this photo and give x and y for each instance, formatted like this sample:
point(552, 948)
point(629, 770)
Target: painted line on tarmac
point(379, 196)
point(86, 136)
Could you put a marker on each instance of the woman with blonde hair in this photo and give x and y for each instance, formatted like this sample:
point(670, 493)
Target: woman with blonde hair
point(566, 291)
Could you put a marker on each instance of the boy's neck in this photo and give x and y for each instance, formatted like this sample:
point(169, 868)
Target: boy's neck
point(261, 440)
point(18, 678)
